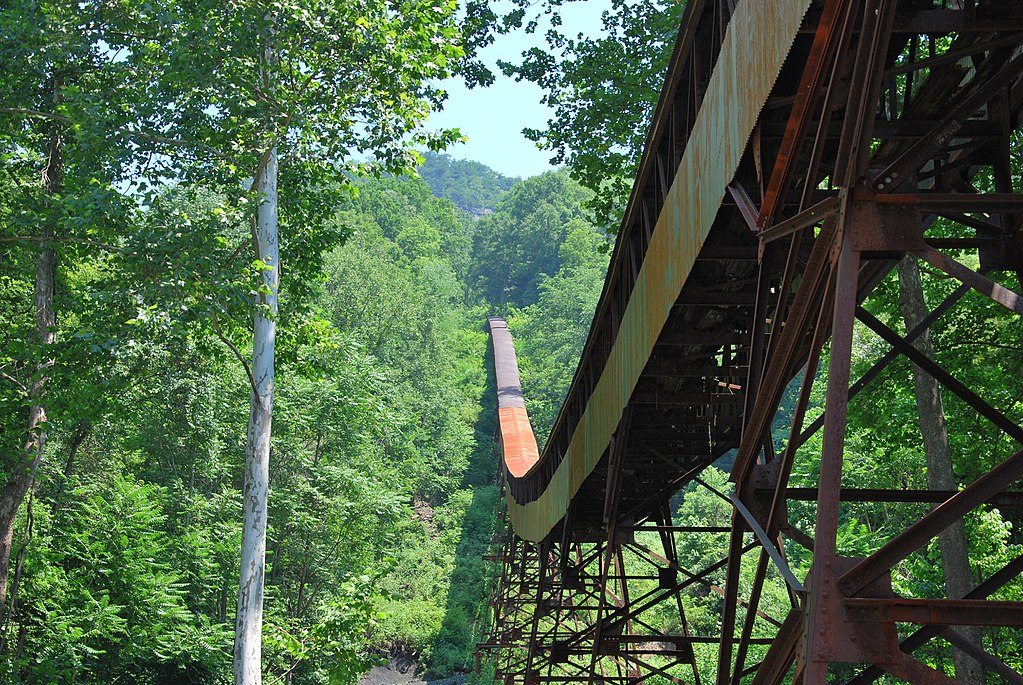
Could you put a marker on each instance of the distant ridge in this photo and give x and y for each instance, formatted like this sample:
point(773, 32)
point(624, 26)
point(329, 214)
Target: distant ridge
point(474, 187)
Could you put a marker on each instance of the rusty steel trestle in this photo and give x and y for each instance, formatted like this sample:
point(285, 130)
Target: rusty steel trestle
point(888, 130)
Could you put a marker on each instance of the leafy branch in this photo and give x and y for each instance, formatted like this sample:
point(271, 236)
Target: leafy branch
point(54, 239)
point(127, 132)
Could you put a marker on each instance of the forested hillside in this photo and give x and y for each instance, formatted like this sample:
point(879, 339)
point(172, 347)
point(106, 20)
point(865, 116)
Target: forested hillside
point(155, 157)
point(473, 187)
point(223, 348)
point(383, 490)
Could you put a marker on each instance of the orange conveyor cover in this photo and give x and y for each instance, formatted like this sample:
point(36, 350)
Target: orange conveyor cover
point(518, 443)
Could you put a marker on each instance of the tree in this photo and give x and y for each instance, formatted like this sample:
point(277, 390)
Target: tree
point(220, 99)
point(517, 245)
point(550, 333)
point(472, 186)
point(350, 78)
point(955, 550)
point(603, 91)
point(63, 161)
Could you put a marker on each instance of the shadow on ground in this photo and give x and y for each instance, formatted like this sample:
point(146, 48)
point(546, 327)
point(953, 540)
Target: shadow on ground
point(466, 607)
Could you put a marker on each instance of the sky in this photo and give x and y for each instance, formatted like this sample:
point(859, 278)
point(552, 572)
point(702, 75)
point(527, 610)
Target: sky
point(493, 118)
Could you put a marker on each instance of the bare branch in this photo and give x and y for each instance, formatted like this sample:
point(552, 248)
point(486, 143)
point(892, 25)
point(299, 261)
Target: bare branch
point(238, 355)
point(14, 380)
point(261, 167)
point(21, 186)
point(981, 343)
point(35, 113)
point(177, 142)
point(237, 251)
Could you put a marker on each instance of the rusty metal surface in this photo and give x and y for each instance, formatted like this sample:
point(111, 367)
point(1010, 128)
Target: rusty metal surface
point(941, 612)
point(518, 444)
point(708, 320)
point(721, 131)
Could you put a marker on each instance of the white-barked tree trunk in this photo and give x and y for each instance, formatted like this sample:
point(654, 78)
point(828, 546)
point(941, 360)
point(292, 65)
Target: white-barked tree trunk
point(249, 620)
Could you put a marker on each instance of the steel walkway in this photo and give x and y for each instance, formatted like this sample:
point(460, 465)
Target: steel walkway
point(799, 150)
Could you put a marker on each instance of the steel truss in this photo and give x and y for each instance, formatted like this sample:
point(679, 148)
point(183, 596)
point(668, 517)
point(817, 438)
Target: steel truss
point(885, 118)
point(579, 611)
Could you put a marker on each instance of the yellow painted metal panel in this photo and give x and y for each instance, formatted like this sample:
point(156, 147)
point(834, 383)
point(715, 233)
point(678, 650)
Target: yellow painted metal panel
point(758, 39)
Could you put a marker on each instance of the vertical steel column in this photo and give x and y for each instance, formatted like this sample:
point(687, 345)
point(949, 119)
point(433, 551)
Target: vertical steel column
point(830, 483)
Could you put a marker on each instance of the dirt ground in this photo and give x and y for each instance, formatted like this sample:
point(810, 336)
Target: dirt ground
point(402, 671)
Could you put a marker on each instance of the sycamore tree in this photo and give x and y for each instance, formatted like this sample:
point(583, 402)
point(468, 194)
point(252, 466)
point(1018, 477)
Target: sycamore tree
point(316, 89)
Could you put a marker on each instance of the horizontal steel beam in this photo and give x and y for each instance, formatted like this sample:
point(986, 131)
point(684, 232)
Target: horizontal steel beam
point(937, 203)
point(1004, 499)
point(946, 612)
point(928, 527)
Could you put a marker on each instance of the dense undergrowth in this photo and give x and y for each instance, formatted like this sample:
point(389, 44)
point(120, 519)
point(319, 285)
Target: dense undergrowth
point(383, 470)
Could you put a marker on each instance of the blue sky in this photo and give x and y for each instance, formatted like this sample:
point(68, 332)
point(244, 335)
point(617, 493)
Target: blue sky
point(493, 118)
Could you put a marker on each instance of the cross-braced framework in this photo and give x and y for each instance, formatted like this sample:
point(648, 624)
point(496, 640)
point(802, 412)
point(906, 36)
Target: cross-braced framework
point(878, 147)
point(579, 612)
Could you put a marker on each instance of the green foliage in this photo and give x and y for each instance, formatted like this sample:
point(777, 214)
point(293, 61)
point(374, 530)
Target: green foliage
point(128, 560)
point(473, 187)
point(56, 76)
point(394, 289)
point(349, 79)
point(465, 612)
point(382, 493)
point(331, 649)
point(517, 246)
point(603, 90)
point(383, 498)
point(550, 333)
point(100, 582)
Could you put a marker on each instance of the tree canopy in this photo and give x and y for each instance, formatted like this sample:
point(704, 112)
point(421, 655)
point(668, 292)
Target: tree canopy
point(602, 90)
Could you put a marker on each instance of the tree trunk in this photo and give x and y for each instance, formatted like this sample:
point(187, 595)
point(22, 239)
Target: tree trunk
point(23, 471)
point(955, 557)
point(249, 621)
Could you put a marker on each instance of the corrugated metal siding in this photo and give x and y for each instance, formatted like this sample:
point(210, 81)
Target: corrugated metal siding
point(758, 39)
